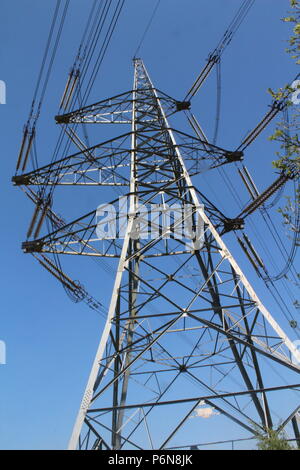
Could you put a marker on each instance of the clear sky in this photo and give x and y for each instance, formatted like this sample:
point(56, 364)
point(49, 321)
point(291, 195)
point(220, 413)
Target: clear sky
point(51, 341)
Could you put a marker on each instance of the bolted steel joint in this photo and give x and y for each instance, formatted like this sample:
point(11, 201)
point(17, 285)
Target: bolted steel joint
point(183, 105)
point(32, 247)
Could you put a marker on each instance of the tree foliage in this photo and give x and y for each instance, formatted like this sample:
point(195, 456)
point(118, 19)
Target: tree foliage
point(287, 131)
point(273, 440)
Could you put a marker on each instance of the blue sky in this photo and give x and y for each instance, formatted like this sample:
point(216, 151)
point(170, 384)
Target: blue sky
point(51, 341)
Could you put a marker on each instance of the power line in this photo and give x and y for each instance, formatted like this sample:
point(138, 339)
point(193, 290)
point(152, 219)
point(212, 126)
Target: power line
point(55, 15)
point(226, 39)
point(147, 28)
point(218, 106)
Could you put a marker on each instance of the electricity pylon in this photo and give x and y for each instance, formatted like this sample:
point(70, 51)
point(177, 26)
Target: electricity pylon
point(184, 329)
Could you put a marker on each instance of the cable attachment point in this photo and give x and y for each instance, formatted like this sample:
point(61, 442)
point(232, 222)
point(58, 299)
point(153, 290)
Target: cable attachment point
point(233, 224)
point(235, 156)
point(183, 105)
point(32, 247)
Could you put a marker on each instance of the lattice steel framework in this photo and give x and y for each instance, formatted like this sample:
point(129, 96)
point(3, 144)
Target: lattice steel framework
point(184, 327)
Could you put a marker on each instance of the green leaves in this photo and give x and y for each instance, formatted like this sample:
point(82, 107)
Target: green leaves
point(272, 440)
point(297, 29)
point(289, 19)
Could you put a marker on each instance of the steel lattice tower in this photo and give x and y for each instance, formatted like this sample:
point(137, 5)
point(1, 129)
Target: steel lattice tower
point(184, 327)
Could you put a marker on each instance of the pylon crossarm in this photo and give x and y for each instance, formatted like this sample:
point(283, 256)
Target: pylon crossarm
point(106, 164)
point(116, 110)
